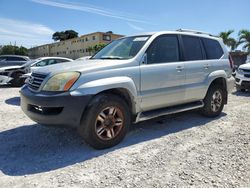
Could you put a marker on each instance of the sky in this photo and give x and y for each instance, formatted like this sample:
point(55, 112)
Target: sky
point(32, 22)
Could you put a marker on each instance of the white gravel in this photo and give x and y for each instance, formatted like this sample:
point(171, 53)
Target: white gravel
point(182, 150)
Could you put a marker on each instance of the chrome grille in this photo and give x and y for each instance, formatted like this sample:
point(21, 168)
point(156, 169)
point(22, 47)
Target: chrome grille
point(36, 80)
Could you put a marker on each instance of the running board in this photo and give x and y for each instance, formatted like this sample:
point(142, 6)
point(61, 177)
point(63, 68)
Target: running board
point(169, 110)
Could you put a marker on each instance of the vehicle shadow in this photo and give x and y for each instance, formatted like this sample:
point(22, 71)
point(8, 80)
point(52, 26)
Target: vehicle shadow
point(13, 101)
point(242, 94)
point(32, 149)
point(5, 86)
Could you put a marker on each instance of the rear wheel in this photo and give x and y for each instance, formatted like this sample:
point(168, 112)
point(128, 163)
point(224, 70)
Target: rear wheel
point(105, 122)
point(213, 102)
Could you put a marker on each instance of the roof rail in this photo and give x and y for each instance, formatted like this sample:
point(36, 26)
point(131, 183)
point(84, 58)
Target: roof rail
point(195, 32)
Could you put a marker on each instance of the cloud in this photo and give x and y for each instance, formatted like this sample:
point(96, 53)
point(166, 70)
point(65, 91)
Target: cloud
point(135, 27)
point(89, 9)
point(23, 33)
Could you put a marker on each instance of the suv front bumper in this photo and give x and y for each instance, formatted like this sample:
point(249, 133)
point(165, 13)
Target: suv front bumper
point(242, 81)
point(61, 109)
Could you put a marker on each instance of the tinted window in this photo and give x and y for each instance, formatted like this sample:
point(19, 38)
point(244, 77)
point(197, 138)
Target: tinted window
point(212, 48)
point(15, 59)
point(62, 60)
point(163, 49)
point(192, 48)
point(2, 58)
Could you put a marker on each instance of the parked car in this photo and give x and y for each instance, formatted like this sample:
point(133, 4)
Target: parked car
point(132, 79)
point(242, 77)
point(10, 60)
point(17, 74)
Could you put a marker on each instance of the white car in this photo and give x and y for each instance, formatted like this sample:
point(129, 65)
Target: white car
point(17, 74)
point(242, 77)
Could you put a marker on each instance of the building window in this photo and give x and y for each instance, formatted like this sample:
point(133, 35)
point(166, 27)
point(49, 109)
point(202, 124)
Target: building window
point(93, 37)
point(107, 37)
point(86, 39)
point(82, 40)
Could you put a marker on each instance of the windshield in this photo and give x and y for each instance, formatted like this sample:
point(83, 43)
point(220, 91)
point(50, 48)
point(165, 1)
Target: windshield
point(124, 48)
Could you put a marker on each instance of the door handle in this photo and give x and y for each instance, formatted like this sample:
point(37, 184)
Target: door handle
point(206, 66)
point(179, 68)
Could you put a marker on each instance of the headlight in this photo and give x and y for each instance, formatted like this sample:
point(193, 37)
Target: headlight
point(240, 71)
point(61, 81)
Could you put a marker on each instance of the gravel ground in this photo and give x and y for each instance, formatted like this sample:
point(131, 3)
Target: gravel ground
point(184, 150)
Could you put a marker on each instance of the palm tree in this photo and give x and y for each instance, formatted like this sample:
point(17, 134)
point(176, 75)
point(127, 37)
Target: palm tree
point(229, 41)
point(244, 38)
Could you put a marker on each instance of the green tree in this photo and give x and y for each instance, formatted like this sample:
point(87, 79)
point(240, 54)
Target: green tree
point(229, 41)
point(244, 38)
point(64, 35)
point(98, 47)
point(13, 50)
point(90, 50)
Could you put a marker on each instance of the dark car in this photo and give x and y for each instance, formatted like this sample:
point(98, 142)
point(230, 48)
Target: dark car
point(10, 60)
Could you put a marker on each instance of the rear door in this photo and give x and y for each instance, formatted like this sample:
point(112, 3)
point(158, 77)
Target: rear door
point(163, 74)
point(197, 68)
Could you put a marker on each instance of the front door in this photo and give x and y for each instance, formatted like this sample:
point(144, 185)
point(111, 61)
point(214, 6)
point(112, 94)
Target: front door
point(162, 74)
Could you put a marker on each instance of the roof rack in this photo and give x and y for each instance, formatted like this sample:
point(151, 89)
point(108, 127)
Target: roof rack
point(195, 32)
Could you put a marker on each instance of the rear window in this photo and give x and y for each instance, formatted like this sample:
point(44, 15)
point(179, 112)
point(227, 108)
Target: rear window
point(192, 48)
point(213, 48)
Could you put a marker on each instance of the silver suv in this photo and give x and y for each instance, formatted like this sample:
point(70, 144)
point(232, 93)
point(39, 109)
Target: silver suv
point(132, 79)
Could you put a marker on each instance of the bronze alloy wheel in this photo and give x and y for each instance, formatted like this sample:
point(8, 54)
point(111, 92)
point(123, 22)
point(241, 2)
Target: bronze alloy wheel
point(216, 101)
point(109, 123)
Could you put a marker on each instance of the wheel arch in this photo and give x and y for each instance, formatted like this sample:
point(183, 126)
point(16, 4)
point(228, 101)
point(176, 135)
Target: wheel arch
point(220, 81)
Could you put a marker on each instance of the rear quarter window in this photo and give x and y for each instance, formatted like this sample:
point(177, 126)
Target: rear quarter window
point(213, 48)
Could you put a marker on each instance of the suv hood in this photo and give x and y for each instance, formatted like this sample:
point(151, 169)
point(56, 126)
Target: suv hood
point(83, 66)
point(245, 66)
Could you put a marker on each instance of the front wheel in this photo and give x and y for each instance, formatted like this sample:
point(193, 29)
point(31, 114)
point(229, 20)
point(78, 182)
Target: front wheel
point(105, 122)
point(213, 102)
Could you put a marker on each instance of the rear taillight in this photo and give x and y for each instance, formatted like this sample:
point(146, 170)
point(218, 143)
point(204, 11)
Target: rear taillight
point(231, 61)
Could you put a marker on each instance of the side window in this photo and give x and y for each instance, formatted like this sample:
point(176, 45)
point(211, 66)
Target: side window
point(61, 60)
point(192, 48)
point(2, 59)
point(15, 59)
point(213, 48)
point(163, 49)
point(51, 61)
point(42, 63)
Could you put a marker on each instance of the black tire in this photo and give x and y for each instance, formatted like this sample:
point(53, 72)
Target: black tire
point(17, 80)
point(88, 128)
point(211, 107)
